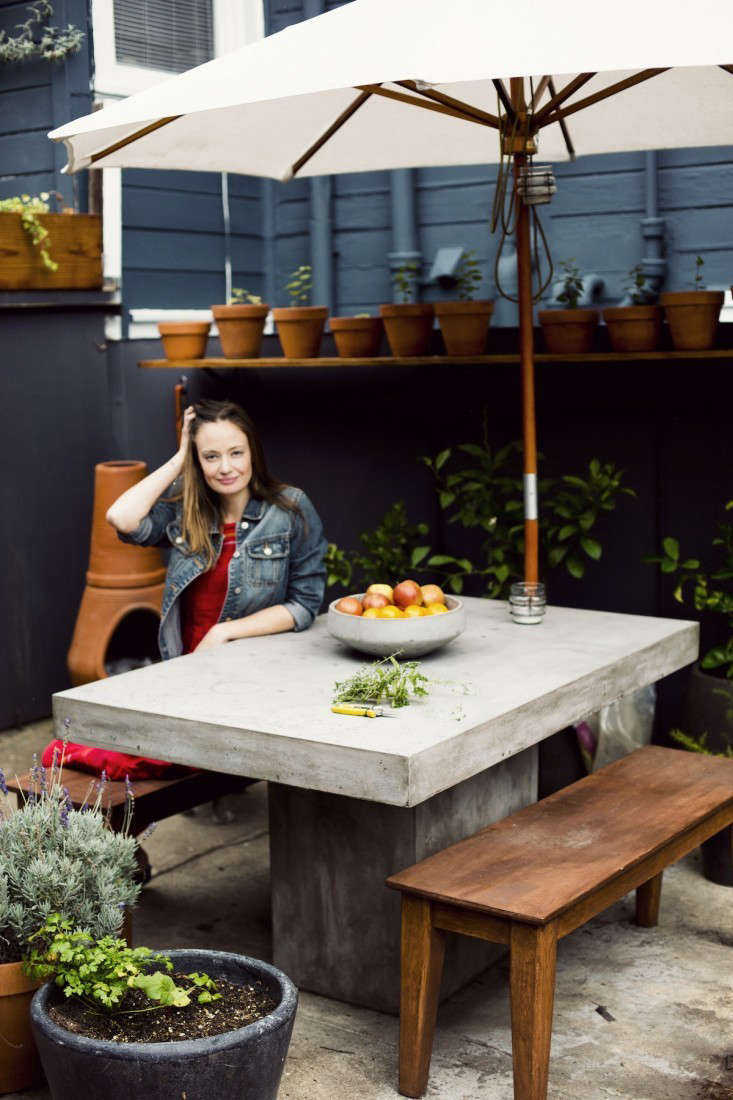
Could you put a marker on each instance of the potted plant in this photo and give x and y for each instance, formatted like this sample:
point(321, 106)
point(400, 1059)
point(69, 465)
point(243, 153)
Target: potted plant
point(571, 330)
point(240, 323)
point(299, 325)
point(464, 324)
point(637, 327)
point(184, 339)
point(357, 337)
point(45, 251)
point(706, 717)
point(52, 858)
point(692, 315)
point(126, 1022)
point(408, 324)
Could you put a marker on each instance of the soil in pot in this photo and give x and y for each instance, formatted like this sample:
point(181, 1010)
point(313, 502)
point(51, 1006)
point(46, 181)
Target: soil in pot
point(464, 326)
point(184, 339)
point(240, 329)
point(634, 328)
point(357, 337)
point(409, 327)
point(568, 331)
point(692, 317)
point(20, 1066)
point(299, 329)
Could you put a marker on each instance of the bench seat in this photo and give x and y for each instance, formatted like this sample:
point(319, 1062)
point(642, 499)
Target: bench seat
point(534, 877)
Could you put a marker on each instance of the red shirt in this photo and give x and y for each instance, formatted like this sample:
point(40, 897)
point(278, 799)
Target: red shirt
point(204, 597)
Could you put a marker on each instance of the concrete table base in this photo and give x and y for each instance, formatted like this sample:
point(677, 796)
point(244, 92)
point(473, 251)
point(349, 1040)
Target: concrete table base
point(336, 927)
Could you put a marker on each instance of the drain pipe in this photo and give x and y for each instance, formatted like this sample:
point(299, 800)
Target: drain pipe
point(405, 247)
point(320, 220)
point(653, 265)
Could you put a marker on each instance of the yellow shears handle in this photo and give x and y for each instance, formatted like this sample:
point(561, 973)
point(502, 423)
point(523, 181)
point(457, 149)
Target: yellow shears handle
point(358, 712)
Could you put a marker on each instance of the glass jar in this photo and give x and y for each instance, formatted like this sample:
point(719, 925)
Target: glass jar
point(527, 602)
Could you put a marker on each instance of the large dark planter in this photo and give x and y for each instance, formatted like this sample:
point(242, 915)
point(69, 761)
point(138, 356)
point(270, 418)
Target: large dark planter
point(244, 1063)
point(717, 857)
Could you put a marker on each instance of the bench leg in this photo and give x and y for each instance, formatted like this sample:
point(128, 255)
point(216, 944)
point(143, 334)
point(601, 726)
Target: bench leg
point(423, 949)
point(648, 896)
point(533, 953)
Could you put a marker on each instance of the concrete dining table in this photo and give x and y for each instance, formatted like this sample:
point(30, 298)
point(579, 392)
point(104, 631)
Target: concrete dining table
point(352, 801)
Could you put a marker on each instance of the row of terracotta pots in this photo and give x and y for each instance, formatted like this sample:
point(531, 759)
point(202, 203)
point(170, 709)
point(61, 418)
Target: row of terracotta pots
point(692, 318)
point(408, 328)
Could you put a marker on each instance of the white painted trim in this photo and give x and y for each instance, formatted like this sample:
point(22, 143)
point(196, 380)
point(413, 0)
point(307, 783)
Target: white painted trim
point(144, 322)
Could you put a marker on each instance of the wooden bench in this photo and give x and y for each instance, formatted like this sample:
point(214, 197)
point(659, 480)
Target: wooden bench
point(539, 874)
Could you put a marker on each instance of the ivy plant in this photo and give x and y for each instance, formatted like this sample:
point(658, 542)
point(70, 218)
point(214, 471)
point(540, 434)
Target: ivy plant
point(29, 207)
point(36, 39)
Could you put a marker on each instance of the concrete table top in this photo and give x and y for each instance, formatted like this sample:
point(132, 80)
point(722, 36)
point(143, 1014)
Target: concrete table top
point(261, 707)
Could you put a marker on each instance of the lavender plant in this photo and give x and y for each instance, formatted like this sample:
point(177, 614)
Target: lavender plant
point(55, 859)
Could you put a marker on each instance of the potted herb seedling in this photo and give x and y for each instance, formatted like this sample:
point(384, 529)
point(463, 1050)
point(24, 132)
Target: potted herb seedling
point(692, 315)
point(185, 1023)
point(635, 327)
point(45, 251)
point(241, 322)
point(52, 858)
point(408, 324)
point(464, 324)
point(569, 330)
point(300, 325)
point(357, 337)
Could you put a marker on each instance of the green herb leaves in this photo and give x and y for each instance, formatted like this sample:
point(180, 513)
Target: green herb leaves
point(385, 681)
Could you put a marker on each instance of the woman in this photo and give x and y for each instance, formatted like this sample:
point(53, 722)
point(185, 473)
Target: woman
point(247, 551)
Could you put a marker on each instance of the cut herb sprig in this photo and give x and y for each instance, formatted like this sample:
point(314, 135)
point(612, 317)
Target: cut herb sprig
point(384, 681)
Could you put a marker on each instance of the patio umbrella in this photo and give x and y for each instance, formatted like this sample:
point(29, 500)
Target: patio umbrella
point(378, 84)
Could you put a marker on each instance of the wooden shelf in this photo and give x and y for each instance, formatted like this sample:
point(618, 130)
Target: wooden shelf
point(436, 360)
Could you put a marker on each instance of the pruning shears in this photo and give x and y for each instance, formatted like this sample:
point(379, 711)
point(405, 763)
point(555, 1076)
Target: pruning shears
point(361, 712)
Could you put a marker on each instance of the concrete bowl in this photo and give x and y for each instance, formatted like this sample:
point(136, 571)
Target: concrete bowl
point(413, 637)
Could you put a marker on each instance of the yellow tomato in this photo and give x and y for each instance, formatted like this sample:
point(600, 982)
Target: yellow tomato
point(435, 609)
point(390, 612)
point(383, 589)
point(371, 613)
point(414, 612)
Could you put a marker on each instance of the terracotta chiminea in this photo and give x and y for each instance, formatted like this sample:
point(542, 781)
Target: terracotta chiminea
point(120, 609)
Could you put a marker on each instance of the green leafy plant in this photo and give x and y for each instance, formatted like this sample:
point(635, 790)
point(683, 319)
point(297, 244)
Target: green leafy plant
point(101, 972)
point(710, 591)
point(572, 285)
point(698, 280)
point(404, 280)
point(54, 859)
point(52, 43)
point(387, 681)
point(698, 744)
point(299, 285)
point(390, 550)
point(468, 276)
point(637, 286)
point(29, 207)
point(241, 296)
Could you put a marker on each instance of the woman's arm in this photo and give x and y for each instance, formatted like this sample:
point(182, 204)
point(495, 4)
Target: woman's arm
point(127, 512)
point(270, 620)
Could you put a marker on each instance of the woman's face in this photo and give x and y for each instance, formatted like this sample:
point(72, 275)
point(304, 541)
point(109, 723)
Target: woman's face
point(225, 457)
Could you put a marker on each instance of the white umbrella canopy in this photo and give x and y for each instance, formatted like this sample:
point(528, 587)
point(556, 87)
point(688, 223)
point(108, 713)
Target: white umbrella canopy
point(381, 84)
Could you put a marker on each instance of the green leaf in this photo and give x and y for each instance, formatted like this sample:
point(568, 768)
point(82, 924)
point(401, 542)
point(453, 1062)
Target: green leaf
point(715, 658)
point(418, 554)
point(446, 498)
point(575, 567)
point(442, 458)
point(668, 566)
point(441, 559)
point(691, 563)
point(592, 547)
point(556, 554)
point(578, 482)
point(456, 584)
point(671, 548)
point(567, 531)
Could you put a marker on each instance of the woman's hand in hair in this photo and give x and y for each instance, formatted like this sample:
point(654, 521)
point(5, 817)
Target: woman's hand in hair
point(189, 415)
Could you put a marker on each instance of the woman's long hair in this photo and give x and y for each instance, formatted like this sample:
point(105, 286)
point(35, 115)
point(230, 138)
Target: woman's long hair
point(201, 507)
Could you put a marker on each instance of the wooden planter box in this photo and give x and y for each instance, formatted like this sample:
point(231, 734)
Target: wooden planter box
point(75, 245)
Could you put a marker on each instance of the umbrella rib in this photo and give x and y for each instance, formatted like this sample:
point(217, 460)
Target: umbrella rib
point(467, 109)
point(727, 68)
point(540, 90)
point(413, 101)
point(505, 100)
point(563, 126)
point(132, 137)
point(559, 97)
point(612, 89)
point(331, 130)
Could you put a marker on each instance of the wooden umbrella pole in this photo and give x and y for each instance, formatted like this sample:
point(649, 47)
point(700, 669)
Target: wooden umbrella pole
point(526, 355)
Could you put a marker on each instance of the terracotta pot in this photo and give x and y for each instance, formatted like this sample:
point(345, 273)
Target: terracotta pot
point(20, 1066)
point(106, 615)
point(692, 317)
point(240, 329)
point(357, 337)
point(568, 331)
point(409, 327)
point(115, 564)
point(299, 329)
point(464, 326)
point(634, 328)
point(184, 339)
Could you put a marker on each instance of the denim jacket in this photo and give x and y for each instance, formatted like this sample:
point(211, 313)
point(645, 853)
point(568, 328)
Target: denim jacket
point(278, 559)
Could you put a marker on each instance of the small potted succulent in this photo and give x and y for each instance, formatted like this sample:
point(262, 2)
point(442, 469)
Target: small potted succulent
point(299, 325)
point(408, 324)
point(357, 337)
point(52, 859)
point(241, 322)
point(636, 327)
point(692, 315)
point(126, 1022)
point(464, 324)
point(570, 330)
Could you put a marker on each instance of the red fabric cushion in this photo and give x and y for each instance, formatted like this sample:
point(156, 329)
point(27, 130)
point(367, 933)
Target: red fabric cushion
point(116, 764)
point(204, 597)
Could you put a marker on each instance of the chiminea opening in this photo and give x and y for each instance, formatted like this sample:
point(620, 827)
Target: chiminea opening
point(133, 643)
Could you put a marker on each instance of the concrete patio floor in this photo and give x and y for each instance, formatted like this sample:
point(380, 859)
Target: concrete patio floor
point(668, 991)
